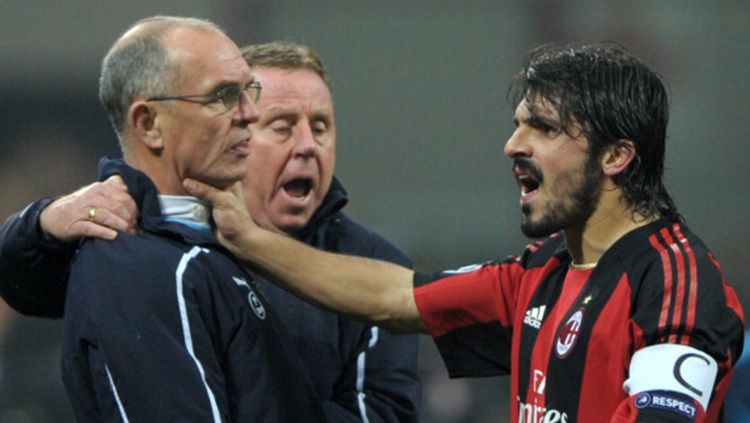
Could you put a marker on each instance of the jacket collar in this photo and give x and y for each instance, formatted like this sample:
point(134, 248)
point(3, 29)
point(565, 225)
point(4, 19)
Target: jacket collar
point(334, 201)
point(143, 191)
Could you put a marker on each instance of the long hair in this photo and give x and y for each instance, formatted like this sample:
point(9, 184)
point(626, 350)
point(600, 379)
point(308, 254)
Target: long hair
point(609, 95)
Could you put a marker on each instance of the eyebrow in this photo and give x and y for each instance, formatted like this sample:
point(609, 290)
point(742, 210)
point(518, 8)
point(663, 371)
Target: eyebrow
point(285, 109)
point(226, 82)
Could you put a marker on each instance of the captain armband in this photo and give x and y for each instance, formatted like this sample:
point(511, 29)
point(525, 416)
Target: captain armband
point(671, 377)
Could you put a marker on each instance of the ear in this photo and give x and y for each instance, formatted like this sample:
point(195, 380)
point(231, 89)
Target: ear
point(617, 157)
point(144, 119)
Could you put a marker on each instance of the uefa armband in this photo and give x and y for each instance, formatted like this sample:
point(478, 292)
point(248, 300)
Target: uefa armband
point(658, 371)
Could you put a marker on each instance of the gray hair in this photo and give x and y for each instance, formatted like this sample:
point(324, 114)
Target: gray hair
point(285, 55)
point(138, 64)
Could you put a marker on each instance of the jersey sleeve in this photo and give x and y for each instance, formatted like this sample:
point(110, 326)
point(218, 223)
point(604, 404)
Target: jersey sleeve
point(137, 338)
point(469, 313)
point(687, 327)
point(34, 269)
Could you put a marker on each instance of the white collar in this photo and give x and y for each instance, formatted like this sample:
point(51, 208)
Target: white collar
point(186, 210)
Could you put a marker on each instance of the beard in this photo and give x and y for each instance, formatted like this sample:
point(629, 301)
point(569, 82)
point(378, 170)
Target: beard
point(577, 197)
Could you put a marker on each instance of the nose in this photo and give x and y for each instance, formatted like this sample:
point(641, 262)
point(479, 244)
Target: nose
point(305, 144)
point(248, 110)
point(517, 144)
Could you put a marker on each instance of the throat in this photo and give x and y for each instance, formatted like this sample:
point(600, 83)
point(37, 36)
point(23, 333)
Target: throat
point(583, 266)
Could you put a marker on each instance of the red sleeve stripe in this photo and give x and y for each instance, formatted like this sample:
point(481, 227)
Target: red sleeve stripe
point(690, 321)
point(680, 297)
point(667, 269)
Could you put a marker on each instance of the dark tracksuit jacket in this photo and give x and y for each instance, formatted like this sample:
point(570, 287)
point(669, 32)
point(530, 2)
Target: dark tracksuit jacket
point(167, 326)
point(362, 373)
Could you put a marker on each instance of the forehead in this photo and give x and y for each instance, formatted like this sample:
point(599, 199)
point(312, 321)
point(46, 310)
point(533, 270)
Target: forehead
point(292, 87)
point(536, 106)
point(206, 58)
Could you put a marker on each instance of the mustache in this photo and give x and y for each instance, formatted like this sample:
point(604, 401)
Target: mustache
point(524, 164)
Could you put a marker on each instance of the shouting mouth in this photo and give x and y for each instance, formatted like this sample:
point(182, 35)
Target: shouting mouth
point(528, 184)
point(298, 188)
point(529, 179)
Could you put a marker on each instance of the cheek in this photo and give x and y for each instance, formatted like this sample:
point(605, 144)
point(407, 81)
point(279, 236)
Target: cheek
point(327, 160)
point(264, 168)
point(207, 144)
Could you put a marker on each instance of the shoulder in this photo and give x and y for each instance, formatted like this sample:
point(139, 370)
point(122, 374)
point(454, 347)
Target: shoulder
point(679, 292)
point(146, 264)
point(669, 255)
point(539, 253)
point(141, 253)
point(147, 275)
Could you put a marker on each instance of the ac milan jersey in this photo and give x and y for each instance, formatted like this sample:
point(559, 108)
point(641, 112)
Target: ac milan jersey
point(567, 337)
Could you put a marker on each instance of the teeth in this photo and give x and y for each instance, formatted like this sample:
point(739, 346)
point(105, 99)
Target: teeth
point(527, 184)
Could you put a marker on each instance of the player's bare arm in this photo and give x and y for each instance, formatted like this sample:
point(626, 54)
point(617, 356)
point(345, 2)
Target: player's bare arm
point(367, 289)
point(96, 210)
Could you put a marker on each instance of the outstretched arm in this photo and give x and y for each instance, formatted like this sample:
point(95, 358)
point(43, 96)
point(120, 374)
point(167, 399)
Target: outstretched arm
point(37, 244)
point(371, 290)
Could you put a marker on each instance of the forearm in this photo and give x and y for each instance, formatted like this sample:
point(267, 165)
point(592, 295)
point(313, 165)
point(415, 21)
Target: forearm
point(367, 289)
point(34, 269)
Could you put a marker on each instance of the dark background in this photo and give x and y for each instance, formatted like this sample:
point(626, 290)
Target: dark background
point(422, 117)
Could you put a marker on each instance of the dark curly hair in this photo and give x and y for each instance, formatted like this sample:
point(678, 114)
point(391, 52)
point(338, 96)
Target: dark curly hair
point(609, 95)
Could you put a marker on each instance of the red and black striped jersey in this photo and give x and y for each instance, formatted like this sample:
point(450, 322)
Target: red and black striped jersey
point(568, 337)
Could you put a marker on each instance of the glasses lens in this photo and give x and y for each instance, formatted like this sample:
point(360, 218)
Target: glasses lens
point(231, 96)
point(254, 91)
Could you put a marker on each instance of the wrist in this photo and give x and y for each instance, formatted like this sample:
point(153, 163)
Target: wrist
point(44, 224)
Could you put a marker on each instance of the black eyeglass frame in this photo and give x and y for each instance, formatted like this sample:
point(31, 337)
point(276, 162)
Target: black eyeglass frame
point(220, 94)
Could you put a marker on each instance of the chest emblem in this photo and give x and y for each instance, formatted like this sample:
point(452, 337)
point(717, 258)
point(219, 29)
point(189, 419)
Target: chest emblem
point(568, 334)
point(252, 298)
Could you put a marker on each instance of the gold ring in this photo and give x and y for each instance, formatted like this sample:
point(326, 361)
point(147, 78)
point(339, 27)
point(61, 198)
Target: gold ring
point(92, 214)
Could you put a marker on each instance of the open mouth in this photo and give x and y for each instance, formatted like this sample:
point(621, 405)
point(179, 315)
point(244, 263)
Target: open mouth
point(528, 184)
point(527, 177)
point(298, 188)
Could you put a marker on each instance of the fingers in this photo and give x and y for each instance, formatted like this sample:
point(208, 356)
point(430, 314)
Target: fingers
point(94, 230)
point(96, 210)
point(229, 211)
point(114, 198)
point(108, 218)
point(231, 197)
point(203, 191)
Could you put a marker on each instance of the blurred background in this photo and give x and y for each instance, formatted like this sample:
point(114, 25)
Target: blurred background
point(420, 93)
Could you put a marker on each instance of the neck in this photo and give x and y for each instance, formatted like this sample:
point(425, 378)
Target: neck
point(160, 173)
point(611, 220)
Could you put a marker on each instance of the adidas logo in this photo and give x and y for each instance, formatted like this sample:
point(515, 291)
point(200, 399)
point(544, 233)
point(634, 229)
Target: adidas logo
point(534, 316)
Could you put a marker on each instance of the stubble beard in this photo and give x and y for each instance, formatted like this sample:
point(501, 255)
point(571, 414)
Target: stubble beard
point(572, 209)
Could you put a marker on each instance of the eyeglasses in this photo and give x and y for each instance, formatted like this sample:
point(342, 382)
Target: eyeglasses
point(229, 95)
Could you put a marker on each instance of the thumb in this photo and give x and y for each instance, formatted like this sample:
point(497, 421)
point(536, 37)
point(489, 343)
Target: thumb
point(201, 190)
point(229, 199)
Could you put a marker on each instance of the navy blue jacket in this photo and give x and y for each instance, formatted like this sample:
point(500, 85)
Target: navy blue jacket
point(354, 367)
point(359, 368)
point(167, 326)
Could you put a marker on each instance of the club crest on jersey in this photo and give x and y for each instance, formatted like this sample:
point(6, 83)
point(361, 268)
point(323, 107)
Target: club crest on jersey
point(255, 303)
point(568, 334)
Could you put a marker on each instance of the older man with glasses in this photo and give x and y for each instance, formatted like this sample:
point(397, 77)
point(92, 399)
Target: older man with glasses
point(166, 325)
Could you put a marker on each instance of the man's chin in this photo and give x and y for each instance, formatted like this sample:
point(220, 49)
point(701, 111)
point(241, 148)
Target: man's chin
point(540, 229)
point(290, 225)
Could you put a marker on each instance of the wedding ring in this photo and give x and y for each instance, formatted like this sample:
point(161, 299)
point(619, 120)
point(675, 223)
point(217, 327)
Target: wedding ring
point(92, 214)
